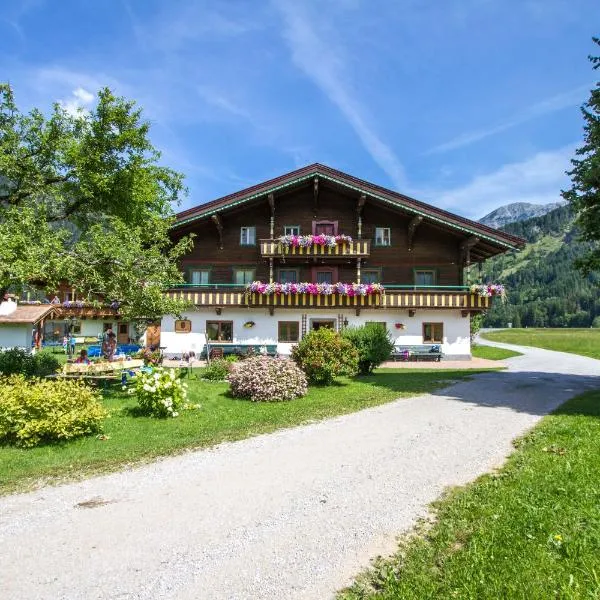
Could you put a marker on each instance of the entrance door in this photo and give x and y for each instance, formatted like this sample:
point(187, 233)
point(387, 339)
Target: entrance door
point(123, 333)
point(316, 324)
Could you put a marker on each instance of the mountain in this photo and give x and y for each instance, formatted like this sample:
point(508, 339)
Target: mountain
point(517, 211)
point(544, 288)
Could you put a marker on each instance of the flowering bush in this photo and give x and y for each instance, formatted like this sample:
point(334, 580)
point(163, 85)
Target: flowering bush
point(304, 241)
point(160, 392)
point(38, 411)
point(487, 290)
point(324, 355)
point(265, 379)
point(315, 289)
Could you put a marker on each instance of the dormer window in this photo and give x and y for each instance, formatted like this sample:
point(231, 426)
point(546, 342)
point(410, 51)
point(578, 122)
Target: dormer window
point(247, 236)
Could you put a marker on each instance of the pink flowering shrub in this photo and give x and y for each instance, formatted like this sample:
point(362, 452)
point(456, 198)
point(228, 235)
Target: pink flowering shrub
point(265, 379)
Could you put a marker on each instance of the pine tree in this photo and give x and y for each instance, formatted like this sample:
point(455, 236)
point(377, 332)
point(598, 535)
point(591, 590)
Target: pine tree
point(584, 194)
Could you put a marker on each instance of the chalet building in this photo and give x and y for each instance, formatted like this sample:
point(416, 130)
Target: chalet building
point(319, 248)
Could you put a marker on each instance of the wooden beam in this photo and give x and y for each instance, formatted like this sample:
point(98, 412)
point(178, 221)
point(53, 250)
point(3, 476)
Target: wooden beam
point(216, 219)
point(271, 200)
point(465, 255)
point(315, 196)
point(359, 208)
point(412, 228)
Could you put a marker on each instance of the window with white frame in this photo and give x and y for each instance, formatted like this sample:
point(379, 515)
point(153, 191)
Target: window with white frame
point(383, 236)
point(247, 236)
point(199, 276)
point(242, 276)
point(291, 230)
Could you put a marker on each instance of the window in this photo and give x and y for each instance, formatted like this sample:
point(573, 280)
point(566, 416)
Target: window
point(425, 277)
point(291, 230)
point(183, 326)
point(199, 276)
point(316, 324)
point(370, 277)
point(243, 276)
point(219, 331)
point(433, 332)
point(76, 328)
point(247, 236)
point(383, 236)
point(289, 331)
point(106, 327)
point(324, 277)
point(324, 227)
point(123, 328)
point(288, 276)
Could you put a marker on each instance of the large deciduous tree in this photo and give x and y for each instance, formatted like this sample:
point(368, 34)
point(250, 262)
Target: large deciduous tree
point(584, 194)
point(84, 200)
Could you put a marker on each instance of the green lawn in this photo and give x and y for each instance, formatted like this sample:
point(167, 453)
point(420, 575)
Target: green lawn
point(577, 341)
point(492, 353)
point(531, 530)
point(133, 439)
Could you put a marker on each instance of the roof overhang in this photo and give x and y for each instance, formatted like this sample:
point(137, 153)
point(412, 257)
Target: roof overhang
point(385, 196)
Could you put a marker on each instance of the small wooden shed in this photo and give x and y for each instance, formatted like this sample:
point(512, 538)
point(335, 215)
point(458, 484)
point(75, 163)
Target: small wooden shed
point(22, 326)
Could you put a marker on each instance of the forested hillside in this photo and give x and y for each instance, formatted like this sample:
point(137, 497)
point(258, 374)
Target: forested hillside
point(544, 288)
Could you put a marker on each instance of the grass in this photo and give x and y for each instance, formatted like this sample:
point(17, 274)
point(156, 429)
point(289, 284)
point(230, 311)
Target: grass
point(531, 530)
point(491, 353)
point(576, 341)
point(134, 439)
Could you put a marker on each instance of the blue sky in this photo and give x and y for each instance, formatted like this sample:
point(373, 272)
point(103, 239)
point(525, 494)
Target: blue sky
point(467, 104)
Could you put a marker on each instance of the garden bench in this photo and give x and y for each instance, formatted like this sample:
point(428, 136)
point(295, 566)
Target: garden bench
point(417, 352)
point(240, 349)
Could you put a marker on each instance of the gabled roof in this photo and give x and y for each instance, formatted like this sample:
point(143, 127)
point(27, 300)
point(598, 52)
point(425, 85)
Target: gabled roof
point(372, 192)
point(27, 314)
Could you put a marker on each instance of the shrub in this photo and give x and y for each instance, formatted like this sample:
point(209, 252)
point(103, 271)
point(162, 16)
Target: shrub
point(20, 362)
point(38, 411)
point(217, 370)
point(150, 357)
point(160, 393)
point(324, 355)
point(373, 344)
point(265, 379)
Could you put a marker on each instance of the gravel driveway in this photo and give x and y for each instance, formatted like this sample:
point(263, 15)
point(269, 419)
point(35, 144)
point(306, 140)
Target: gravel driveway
point(294, 514)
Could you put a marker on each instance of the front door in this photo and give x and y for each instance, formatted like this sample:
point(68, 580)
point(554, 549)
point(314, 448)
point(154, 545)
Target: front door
point(123, 333)
point(316, 324)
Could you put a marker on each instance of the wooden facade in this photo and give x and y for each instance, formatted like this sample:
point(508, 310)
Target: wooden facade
point(425, 245)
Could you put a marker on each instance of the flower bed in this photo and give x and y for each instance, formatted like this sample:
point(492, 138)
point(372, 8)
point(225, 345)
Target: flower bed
point(488, 290)
point(315, 289)
point(304, 241)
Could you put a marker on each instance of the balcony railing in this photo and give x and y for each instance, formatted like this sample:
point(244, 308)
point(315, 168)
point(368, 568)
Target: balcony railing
point(395, 296)
point(356, 248)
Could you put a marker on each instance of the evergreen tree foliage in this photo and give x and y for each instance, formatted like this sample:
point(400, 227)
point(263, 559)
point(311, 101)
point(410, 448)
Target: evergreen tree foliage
point(584, 195)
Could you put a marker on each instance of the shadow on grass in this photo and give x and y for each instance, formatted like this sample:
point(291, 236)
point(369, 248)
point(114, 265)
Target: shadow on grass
point(532, 392)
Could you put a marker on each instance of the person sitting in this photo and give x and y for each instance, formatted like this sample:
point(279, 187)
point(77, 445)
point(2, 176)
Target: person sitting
point(83, 359)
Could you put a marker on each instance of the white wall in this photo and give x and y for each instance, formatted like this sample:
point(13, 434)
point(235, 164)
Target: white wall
point(456, 327)
point(15, 336)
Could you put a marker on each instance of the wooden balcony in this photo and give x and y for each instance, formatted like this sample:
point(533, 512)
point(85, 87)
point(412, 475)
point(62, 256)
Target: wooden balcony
point(356, 249)
point(439, 298)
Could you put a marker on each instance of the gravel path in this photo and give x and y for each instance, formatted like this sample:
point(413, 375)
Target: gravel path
point(294, 514)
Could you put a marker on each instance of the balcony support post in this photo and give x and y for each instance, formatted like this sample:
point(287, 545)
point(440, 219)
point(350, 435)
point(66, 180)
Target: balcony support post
point(315, 196)
point(358, 262)
point(465, 251)
point(270, 270)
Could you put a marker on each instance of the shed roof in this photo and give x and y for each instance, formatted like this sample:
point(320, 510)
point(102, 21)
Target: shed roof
point(26, 314)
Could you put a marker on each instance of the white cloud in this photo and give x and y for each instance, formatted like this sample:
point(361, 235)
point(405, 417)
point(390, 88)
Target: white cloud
point(324, 63)
point(553, 104)
point(537, 179)
point(79, 101)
